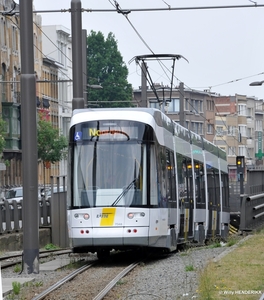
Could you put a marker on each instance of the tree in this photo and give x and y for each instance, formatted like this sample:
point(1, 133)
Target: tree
point(51, 146)
point(105, 67)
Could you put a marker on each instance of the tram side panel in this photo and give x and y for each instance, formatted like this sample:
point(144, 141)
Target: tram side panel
point(184, 187)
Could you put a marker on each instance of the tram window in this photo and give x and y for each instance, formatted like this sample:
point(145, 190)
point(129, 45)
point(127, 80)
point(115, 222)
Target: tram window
point(171, 189)
point(225, 190)
point(217, 188)
point(187, 166)
point(181, 171)
point(211, 187)
point(162, 177)
point(153, 178)
point(203, 190)
point(198, 182)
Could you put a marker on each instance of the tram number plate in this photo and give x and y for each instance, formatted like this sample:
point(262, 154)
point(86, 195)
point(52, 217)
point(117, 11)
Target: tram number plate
point(107, 216)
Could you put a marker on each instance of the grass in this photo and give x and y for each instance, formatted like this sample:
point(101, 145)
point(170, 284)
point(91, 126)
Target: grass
point(238, 275)
point(51, 247)
point(17, 268)
point(189, 268)
point(16, 287)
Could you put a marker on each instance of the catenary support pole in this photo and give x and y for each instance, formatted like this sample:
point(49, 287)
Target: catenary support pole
point(30, 216)
point(77, 65)
point(1, 285)
point(84, 62)
point(144, 100)
point(182, 115)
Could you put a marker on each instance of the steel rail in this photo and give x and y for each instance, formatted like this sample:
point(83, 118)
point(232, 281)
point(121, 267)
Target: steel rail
point(63, 281)
point(113, 282)
point(43, 254)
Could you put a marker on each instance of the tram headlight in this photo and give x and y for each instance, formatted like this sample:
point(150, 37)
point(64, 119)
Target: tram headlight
point(86, 216)
point(130, 215)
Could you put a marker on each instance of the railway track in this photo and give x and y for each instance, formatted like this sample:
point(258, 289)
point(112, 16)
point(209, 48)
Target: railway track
point(98, 279)
point(14, 259)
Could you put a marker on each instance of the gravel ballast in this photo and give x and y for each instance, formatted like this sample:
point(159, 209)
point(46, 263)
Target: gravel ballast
point(171, 277)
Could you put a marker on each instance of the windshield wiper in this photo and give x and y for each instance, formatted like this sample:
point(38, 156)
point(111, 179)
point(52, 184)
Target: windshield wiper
point(124, 192)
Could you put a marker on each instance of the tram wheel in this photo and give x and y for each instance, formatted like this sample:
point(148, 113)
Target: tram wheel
point(103, 254)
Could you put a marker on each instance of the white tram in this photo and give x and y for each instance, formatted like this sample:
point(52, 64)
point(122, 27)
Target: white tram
point(136, 179)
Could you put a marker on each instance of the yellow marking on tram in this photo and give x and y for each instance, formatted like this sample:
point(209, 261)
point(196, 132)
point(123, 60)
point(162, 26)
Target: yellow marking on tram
point(108, 216)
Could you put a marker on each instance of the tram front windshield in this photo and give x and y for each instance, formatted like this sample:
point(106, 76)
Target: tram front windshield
point(108, 164)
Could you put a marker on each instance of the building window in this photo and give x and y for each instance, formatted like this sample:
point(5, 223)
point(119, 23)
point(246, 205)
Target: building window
point(173, 105)
point(210, 128)
point(219, 130)
point(259, 125)
point(3, 32)
point(232, 130)
point(242, 110)
point(242, 151)
point(209, 105)
point(249, 133)
point(258, 105)
point(231, 151)
point(249, 112)
point(242, 130)
point(154, 104)
point(14, 38)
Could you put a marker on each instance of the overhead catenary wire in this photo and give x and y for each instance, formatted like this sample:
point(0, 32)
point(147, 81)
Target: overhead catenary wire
point(125, 13)
point(165, 67)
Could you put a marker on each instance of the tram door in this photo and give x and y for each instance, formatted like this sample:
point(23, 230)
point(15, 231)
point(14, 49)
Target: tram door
point(214, 202)
point(185, 196)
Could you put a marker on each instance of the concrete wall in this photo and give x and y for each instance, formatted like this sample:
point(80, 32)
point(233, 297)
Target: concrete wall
point(14, 241)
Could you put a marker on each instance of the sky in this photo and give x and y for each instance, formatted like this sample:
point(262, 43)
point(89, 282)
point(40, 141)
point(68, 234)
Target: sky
point(224, 46)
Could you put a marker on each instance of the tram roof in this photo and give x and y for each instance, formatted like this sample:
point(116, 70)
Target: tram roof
point(137, 114)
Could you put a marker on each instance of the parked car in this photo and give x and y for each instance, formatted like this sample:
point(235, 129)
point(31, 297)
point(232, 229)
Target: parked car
point(17, 194)
point(14, 194)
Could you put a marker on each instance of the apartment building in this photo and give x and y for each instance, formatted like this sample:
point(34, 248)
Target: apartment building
point(57, 47)
point(53, 88)
point(239, 129)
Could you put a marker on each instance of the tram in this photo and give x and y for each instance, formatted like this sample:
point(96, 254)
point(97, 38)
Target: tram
point(137, 179)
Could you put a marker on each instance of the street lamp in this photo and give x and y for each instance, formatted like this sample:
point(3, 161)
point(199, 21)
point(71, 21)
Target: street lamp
point(93, 87)
point(256, 83)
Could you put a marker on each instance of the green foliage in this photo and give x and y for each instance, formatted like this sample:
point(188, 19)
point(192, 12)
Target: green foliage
point(51, 247)
point(16, 287)
point(51, 146)
point(17, 268)
point(105, 67)
point(189, 268)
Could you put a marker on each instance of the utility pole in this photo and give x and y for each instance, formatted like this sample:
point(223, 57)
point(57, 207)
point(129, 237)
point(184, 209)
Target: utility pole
point(182, 115)
point(30, 216)
point(84, 62)
point(144, 101)
point(77, 54)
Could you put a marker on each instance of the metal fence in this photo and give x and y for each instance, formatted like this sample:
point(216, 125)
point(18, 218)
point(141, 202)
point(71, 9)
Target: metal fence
point(252, 212)
point(52, 215)
point(247, 200)
point(11, 216)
